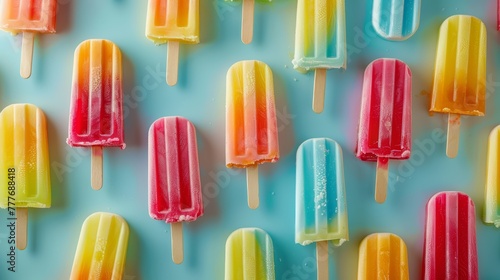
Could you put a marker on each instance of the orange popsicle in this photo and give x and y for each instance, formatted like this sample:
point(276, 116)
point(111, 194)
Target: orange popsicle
point(29, 17)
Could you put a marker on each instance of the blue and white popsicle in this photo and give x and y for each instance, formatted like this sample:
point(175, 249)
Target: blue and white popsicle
point(396, 20)
point(320, 202)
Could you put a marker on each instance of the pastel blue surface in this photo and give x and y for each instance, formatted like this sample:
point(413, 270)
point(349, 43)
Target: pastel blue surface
point(200, 97)
point(396, 19)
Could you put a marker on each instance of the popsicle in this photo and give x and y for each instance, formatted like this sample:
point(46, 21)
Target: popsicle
point(450, 238)
point(24, 165)
point(498, 15)
point(247, 14)
point(28, 17)
point(174, 177)
point(460, 74)
point(102, 248)
point(396, 19)
point(385, 119)
point(249, 255)
point(320, 201)
point(492, 191)
point(320, 42)
point(251, 128)
point(96, 117)
point(383, 256)
point(173, 22)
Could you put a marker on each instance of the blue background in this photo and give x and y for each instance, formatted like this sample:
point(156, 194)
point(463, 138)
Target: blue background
point(200, 97)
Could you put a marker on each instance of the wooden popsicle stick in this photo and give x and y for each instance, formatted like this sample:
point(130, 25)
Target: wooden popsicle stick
point(96, 167)
point(319, 90)
point(322, 259)
point(247, 12)
point(177, 243)
point(27, 54)
point(453, 135)
point(253, 186)
point(382, 178)
point(21, 228)
point(172, 62)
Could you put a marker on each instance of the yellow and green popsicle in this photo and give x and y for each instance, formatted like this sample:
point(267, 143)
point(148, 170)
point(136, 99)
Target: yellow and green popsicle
point(249, 255)
point(492, 191)
point(320, 42)
point(24, 164)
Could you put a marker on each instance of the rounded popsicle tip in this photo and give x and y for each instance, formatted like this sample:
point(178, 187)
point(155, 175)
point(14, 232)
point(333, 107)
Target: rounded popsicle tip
point(27, 54)
point(25, 72)
point(171, 80)
point(22, 228)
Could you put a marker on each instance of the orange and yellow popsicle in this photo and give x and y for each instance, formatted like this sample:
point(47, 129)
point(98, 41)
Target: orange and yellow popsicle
point(173, 22)
point(460, 73)
point(29, 17)
point(251, 128)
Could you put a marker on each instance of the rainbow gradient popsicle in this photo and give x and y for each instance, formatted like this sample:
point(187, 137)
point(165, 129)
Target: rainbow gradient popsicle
point(174, 177)
point(383, 256)
point(320, 42)
point(492, 190)
point(396, 19)
point(29, 17)
point(96, 117)
point(460, 74)
point(102, 248)
point(320, 201)
point(173, 22)
point(24, 164)
point(251, 127)
point(249, 255)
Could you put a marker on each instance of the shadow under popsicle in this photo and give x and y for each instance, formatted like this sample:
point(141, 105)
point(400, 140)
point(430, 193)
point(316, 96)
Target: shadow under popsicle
point(286, 139)
point(132, 270)
point(132, 98)
point(58, 165)
point(64, 16)
point(208, 30)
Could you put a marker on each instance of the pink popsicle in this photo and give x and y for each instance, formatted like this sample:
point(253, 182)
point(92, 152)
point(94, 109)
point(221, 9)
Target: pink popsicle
point(174, 176)
point(450, 238)
point(385, 122)
point(96, 117)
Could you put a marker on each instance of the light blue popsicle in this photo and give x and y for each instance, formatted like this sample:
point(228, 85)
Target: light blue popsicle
point(320, 204)
point(396, 19)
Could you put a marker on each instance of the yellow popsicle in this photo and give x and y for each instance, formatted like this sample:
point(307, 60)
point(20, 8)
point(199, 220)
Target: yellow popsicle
point(492, 191)
point(173, 21)
point(102, 248)
point(383, 256)
point(24, 164)
point(24, 157)
point(460, 74)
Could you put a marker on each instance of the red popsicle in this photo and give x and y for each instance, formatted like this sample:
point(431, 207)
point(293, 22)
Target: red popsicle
point(385, 122)
point(450, 238)
point(174, 176)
